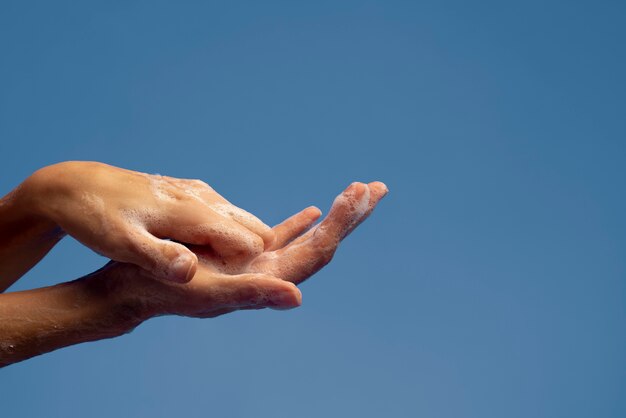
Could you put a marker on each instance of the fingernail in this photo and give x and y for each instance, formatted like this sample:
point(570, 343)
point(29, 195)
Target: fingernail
point(182, 269)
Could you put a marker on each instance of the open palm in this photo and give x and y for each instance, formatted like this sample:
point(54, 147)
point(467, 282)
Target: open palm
point(222, 285)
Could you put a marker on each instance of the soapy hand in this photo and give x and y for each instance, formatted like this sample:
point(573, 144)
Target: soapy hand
point(136, 218)
point(124, 214)
point(222, 285)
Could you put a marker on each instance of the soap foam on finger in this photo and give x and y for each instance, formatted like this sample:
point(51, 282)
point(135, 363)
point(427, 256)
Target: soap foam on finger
point(244, 218)
point(348, 209)
point(310, 252)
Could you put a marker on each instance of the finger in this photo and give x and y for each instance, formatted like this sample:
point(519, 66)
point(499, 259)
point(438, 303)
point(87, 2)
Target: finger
point(349, 209)
point(246, 219)
point(378, 190)
point(309, 253)
point(194, 223)
point(165, 259)
point(255, 291)
point(202, 192)
point(293, 227)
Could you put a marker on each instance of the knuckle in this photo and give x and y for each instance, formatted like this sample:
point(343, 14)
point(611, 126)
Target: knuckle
point(253, 245)
point(247, 291)
point(198, 183)
point(325, 254)
point(122, 232)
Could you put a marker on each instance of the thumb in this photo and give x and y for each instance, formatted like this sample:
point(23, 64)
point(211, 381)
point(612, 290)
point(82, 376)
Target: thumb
point(247, 291)
point(167, 260)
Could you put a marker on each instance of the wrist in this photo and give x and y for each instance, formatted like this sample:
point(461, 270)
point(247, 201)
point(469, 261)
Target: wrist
point(25, 236)
point(130, 292)
point(43, 192)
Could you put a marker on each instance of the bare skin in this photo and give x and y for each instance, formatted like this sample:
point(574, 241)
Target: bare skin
point(115, 299)
point(124, 215)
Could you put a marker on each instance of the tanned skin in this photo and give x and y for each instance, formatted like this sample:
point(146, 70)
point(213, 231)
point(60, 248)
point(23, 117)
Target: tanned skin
point(254, 267)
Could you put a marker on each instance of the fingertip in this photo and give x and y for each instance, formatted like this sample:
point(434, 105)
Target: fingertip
point(268, 237)
point(289, 298)
point(378, 190)
point(183, 268)
point(235, 240)
point(357, 188)
point(298, 295)
point(379, 186)
point(313, 212)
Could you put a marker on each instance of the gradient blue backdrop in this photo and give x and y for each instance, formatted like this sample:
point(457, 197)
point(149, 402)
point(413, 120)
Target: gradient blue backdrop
point(491, 282)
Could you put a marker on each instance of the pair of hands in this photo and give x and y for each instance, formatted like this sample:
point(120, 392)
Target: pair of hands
point(181, 248)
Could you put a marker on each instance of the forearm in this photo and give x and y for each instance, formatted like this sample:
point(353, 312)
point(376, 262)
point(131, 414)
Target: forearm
point(38, 321)
point(25, 237)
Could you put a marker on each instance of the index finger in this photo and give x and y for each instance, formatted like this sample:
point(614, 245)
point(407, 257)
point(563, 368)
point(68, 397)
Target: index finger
point(201, 191)
point(246, 219)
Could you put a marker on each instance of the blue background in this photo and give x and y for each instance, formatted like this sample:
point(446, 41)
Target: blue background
point(489, 283)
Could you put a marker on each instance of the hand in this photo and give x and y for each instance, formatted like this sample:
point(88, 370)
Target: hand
point(222, 285)
point(126, 216)
point(118, 297)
